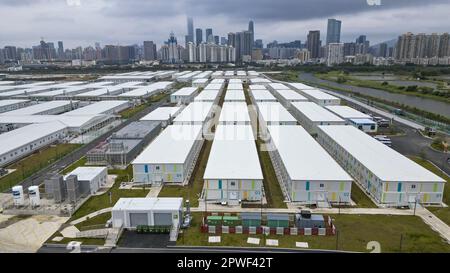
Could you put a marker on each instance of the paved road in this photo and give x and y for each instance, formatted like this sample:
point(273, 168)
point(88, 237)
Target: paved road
point(69, 159)
point(181, 250)
point(414, 143)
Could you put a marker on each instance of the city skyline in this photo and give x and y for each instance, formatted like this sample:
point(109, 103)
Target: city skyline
point(281, 24)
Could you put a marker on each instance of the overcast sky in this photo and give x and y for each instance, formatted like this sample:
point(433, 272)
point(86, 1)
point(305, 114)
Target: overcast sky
point(84, 22)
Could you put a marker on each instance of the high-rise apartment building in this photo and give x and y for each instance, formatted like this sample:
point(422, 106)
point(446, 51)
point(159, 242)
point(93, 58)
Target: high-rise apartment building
point(209, 35)
point(313, 43)
point(150, 52)
point(335, 53)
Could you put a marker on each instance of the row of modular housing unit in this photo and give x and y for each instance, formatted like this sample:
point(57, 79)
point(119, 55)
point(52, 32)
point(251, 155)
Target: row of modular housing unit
point(389, 177)
point(171, 157)
point(233, 172)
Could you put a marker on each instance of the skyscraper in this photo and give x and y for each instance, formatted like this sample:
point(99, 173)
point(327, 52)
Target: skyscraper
point(314, 43)
point(333, 31)
point(198, 36)
point(251, 28)
point(149, 51)
point(216, 39)
point(190, 30)
point(232, 39)
point(383, 51)
point(209, 33)
point(60, 50)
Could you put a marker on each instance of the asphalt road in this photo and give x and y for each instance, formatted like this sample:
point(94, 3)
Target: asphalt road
point(71, 158)
point(181, 250)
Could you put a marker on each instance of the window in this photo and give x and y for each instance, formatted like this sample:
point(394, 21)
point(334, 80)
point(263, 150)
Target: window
point(157, 168)
point(413, 186)
point(233, 183)
point(321, 185)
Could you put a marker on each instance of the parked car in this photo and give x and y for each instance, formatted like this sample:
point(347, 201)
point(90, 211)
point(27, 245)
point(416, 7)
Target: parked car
point(3, 172)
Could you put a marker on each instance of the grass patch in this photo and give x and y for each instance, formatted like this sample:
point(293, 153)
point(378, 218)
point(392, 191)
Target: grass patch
point(34, 163)
point(441, 213)
point(360, 198)
point(355, 231)
point(81, 162)
point(96, 222)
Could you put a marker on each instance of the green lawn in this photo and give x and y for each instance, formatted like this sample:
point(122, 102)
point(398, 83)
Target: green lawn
point(355, 231)
point(193, 190)
point(96, 222)
point(35, 162)
point(360, 198)
point(441, 213)
point(81, 162)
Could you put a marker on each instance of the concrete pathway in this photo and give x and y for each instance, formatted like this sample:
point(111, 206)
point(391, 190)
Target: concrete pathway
point(435, 223)
point(154, 191)
point(93, 214)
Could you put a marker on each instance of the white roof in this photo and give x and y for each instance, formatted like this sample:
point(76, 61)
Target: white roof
point(301, 86)
point(235, 132)
point(97, 108)
point(6, 82)
point(217, 73)
point(235, 95)
point(185, 91)
point(233, 159)
point(205, 74)
point(11, 102)
point(318, 95)
point(315, 113)
point(347, 112)
point(382, 161)
point(172, 146)
point(189, 75)
point(218, 81)
point(290, 95)
point(277, 86)
point(149, 204)
point(235, 81)
point(303, 158)
point(129, 77)
point(274, 112)
point(196, 111)
point(147, 90)
point(39, 108)
point(162, 114)
point(197, 81)
point(25, 135)
point(69, 121)
point(257, 87)
point(260, 80)
point(63, 91)
point(241, 73)
point(215, 86)
point(235, 86)
point(229, 73)
point(234, 112)
point(207, 95)
point(86, 173)
point(262, 95)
